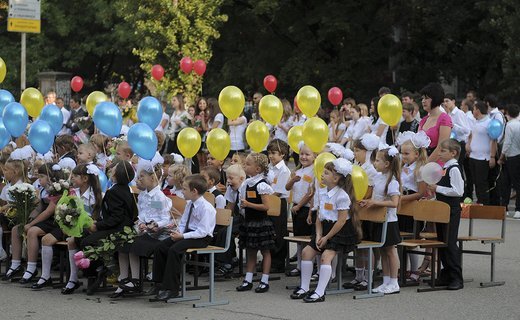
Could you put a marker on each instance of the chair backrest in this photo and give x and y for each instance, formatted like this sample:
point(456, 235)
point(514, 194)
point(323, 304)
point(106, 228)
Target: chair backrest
point(373, 214)
point(178, 203)
point(432, 211)
point(407, 208)
point(487, 212)
point(210, 197)
point(223, 217)
point(275, 205)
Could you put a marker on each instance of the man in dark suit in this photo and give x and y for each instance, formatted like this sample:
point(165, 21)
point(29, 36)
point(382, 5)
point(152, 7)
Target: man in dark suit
point(77, 111)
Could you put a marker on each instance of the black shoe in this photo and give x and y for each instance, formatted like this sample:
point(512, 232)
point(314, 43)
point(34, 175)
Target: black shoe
point(262, 287)
point(293, 258)
point(362, 286)
point(153, 291)
point(246, 286)
point(30, 279)
point(46, 282)
point(296, 296)
point(309, 299)
point(116, 295)
point(166, 295)
point(351, 285)
point(456, 285)
point(14, 272)
point(126, 288)
point(223, 272)
point(293, 273)
point(66, 290)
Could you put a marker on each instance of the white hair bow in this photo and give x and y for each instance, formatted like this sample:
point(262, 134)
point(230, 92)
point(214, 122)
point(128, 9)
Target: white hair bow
point(177, 158)
point(342, 166)
point(92, 169)
point(421, 140)
point(370, 141)
point(392, 150)
point(403, 137)
point(336, 149)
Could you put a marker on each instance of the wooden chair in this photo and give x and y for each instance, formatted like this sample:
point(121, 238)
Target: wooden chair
point(275, 205)
point(223, 218)
point(376, 215)
point(210, 197)
point(427, 211)
point(179, 204)
point(485, 213)
point(407, 208)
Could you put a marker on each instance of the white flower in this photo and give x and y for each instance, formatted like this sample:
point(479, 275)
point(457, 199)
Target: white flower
point(68, 218)
point(56, 186)
point(58, 217)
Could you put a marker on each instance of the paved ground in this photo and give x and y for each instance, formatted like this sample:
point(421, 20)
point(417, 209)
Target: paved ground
point(471, 303)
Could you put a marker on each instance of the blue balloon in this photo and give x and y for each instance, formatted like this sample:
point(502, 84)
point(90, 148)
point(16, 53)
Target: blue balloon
point(5, 98)
point(5, 137)
point(150, 111)
point(142, 140)
point(108, 119)
point(15, 119)
point(495, 129)
point(103, 181)
point(41, 136)
point(53, 115)
point(453, 135)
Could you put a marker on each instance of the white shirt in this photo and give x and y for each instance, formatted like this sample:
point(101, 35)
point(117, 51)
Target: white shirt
point(339, 128)
point(145, 164)
point(160, 128)
point(471, 118)
point(278, 176)
point(298, 122)
point(231, 197)
point(379, 193)
point(408, 178)
point(332, 201)
point(461, 124)
point(457, 183)
point(174, 128)
point(219, 117)
point(236, 134)
point(66, 116)
point(301, 188)
point(480, 140)
point(154, 206)
point(220, 200)
point(202, 220)
point(371, 172)
point(88, 198)
point(357, 128)
point(177, 192)
point(261, 188)
point(511, 145)
point(280, 133)
point(374, 127)
point(101, 161)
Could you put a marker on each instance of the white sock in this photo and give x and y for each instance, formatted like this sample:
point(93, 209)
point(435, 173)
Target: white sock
point(14, 264)
point(360, 272)
point(318, 263)
point(334, 264)
point(31, 269)
point(124, 264)
point(73, 269)
point(325, 273)
point(299, 256)
point(365, 274)
point(393, 282)
point(46, 263)
point(306, 274)
point(135, 265)
point(386, 280)
point(414, 262)
point(249, 277)
point(265, 278)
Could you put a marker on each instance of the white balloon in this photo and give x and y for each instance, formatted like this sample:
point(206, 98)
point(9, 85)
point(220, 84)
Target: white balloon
point(431, 173)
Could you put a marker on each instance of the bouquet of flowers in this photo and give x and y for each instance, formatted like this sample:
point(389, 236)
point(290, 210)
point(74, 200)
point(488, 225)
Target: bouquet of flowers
point(105, 249)
point(71, 216)
point(84, 122)
point(23, 202)
point(129, 113)
point(58, 188)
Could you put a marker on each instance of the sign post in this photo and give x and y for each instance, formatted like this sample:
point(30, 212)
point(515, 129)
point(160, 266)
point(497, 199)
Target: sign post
point(24, 16)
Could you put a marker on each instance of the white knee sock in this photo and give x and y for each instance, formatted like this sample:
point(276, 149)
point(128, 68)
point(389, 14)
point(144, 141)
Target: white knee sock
point(249, 277)
point(135, 266)
point(334, 264)
point(325, 273)
point(414, 262)
point(386, 280)
point(365, 274)
point(73, 269)
point(124, 264)
point(46, 263)
point(265, 278)
point(360, 274)
point(306, 274)
point(31, 269)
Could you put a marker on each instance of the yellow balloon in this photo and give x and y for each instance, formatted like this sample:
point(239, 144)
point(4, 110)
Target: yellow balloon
point(294, 136)
point(390, 109)
point(188, 142)
point(94, 99)
point(231, 101)
point(32, 100)
point(359, 181)
point(218, 143)
point(257, 135)
point(309, 100)
point(3, 70)
point(271, 109)
point(315, 134)
point(319, 163)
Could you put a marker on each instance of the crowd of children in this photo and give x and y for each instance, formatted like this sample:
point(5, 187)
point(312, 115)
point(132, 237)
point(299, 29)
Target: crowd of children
point(324, 208)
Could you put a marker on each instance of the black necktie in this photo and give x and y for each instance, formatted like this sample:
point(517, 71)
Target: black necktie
point(236, 208)
point(187, 227)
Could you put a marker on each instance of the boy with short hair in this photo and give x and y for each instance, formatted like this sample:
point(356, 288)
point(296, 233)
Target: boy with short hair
point(212, 177)
point(218, 164)
point(409, 123)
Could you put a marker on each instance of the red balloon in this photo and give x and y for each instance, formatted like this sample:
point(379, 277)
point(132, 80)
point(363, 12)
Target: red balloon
point(270, 83)
point(296, 108)
point(76, 84)
point(157, 72)
point(124, 89)
point(200, 67)
point(186, 64)
point(335, 96)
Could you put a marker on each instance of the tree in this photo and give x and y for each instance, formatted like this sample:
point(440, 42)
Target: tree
point(168, 30)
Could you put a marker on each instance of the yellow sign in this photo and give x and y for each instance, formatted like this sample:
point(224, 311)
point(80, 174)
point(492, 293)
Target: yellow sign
point(23, 25)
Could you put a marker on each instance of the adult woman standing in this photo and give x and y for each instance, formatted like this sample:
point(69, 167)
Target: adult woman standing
point(436, 124)
point(178, 121)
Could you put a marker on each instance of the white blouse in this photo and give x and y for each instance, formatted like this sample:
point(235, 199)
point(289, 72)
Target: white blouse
point(262, 188)
point(278, 176)
point(332, 201)
point(174, 128)
point(280, 133)
point(408, 178)
point(371, 172)
point(340, 127)
point(236, 134)
point(357, 128)
point(301, 187)
point(154, 206)
point(378, 193)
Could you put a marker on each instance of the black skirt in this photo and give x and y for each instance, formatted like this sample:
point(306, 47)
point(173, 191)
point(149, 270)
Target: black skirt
point(257, 234)
point(344, 240)
point(300, 225)
point(393, 236)
point(143, 246)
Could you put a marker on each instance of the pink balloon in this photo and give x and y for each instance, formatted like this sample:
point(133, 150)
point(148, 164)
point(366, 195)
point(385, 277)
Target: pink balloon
point(186, 64)
point(270, 83)
point(335, 96)
point(431, 173)
point(199, 67)
point(157, 72)
point(76, 84)
point(124, 89)
point(79, 255)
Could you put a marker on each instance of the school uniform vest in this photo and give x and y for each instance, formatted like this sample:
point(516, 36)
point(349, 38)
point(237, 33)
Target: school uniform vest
point(69, 155)
point(216, 193)
point(454, 202)
point(250, 213)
